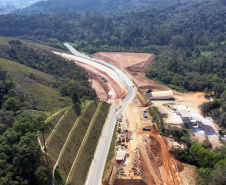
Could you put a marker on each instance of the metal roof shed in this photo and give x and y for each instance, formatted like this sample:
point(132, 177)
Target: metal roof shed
point(162, 95)
point(184, 113)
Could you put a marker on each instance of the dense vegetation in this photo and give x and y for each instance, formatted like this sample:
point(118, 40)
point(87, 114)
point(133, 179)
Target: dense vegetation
point(180, 24)
point(211, 163)
point(50, 6)
point(156, 117)
point(21, 158)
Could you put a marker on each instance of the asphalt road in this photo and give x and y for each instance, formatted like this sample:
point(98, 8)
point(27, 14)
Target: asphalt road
point(100, 157)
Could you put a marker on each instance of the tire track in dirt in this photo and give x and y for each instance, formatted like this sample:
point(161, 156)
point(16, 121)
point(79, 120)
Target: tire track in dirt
point(172, 176)
point(148, 167)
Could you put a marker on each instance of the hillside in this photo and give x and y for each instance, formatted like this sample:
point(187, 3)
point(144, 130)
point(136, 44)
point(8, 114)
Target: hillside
point(68, 76)
point(177, 24)
point(34, 85)
point(50, 6)
point(7, 6)
point(71, 137)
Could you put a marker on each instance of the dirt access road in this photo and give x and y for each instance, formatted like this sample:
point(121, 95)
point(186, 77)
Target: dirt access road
point(158, 166)
point(134, 65)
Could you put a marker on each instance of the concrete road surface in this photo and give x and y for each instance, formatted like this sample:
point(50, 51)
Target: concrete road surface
point(100, 157)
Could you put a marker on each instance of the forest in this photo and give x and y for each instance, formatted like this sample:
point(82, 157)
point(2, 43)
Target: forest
point(21, 158)
point(109, 6)
point(211, 162)
point(144, 30)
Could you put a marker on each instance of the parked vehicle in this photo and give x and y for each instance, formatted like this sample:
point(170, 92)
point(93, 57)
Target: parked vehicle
point(120, 118)
point(145, 115)
point(146, 128)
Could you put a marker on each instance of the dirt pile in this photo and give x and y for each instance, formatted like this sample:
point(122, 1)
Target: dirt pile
point(132, 61)
point(143, 66)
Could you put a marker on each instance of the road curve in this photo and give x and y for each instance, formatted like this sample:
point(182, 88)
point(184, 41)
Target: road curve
point(100, 156)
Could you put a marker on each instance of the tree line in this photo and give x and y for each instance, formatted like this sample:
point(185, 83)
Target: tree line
point(179, 24)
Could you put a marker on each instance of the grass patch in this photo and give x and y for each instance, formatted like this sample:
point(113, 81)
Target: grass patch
point(59, 137)
point(73, 44)
point(54, 120)
point(206, 53)
point(18, 71)
point(156, 117)
point(4, 41)
point(177, 88)
point(36, 85)
point(111, 153)
point(83, 162)
point(75, 140)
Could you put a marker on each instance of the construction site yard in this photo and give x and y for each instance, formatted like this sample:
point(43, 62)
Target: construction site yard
point(147, 153)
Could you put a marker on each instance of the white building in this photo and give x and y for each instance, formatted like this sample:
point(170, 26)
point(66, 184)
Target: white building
point(185, 115)
point(160, 95)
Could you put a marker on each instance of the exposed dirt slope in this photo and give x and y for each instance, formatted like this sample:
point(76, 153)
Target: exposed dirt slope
point(124, 60)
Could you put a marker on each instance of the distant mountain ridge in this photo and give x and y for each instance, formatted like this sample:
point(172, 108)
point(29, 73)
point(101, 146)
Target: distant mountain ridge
point(51, 6)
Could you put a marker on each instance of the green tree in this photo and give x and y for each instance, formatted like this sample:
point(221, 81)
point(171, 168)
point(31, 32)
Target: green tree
point(206, 174)
point(27, 157)
point(42, 175)
point(219, 175)
point(200, 155)
point(222, 121)
point(75, 98)
point(218, 89)
point(11, 104)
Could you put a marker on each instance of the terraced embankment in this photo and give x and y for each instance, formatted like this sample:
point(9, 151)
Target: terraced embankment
point(81, 166)
point(74, 142)
point(58, 138)
point(55, 120)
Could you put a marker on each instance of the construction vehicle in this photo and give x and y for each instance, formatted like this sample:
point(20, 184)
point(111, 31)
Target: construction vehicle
point(146, 128)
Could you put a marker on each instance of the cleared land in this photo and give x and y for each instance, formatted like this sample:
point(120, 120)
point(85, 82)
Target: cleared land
point(123, 60)
point(81, 167)
point(75, 140)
